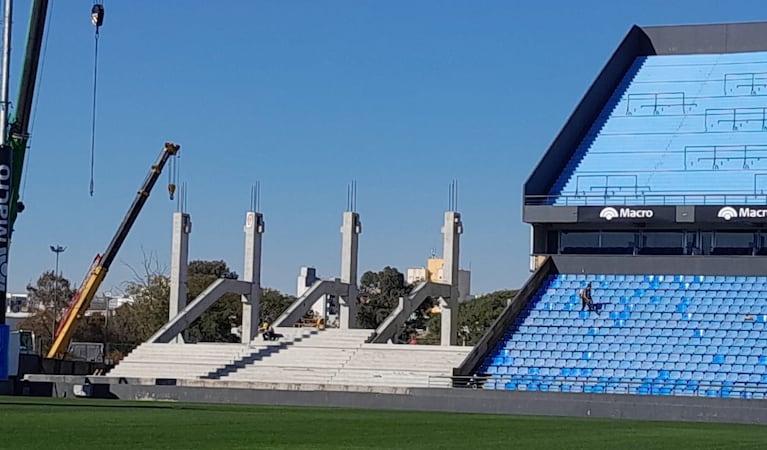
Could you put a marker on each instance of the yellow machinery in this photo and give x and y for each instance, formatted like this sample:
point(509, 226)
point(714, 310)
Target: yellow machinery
point(82, 299)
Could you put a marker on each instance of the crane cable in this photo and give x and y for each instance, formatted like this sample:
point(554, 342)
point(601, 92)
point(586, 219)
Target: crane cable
point(97, 18)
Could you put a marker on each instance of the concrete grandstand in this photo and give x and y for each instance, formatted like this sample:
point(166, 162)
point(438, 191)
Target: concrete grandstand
point(654, 193)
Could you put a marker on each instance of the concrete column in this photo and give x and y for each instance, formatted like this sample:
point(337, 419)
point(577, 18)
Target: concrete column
point(451, 245)
point(449, 322)
point(350, 231)
point(251, 304)
point(179, 262)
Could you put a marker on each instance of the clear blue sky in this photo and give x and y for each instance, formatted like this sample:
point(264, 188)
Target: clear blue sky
point(304, 96)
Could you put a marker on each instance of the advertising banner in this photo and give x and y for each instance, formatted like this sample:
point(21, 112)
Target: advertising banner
point(627, 214)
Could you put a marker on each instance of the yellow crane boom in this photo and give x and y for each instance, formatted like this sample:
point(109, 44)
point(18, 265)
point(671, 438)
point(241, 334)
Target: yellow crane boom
point(82, 300)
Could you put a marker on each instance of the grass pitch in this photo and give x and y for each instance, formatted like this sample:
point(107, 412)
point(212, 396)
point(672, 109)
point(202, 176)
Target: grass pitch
point(62, 424)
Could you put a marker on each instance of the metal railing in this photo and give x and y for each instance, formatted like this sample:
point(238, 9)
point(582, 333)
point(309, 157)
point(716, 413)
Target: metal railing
point(595, 385)
point(647, 199)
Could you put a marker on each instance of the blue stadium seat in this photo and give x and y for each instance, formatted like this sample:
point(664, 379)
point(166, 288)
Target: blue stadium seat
point(646, 338)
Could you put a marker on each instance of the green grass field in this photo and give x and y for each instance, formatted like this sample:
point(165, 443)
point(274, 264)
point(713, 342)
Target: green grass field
point(61, 424)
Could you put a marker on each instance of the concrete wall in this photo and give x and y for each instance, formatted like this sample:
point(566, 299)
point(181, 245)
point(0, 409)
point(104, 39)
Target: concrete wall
point(711, 38)
point(452, 400)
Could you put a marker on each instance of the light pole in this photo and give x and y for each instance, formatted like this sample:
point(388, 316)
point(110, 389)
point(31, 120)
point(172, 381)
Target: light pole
point(58, 250)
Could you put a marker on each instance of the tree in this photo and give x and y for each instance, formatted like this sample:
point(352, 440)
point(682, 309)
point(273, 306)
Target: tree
point(379, 296)
point(215, 324)
point(474, 317)
point(50, 296)
point(133, 323)
point(274, 303)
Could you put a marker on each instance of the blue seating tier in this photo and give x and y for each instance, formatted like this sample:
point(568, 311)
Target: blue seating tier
point(678, 128)
point(651, 335)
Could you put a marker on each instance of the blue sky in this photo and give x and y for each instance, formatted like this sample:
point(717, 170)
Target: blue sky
point(305, 96)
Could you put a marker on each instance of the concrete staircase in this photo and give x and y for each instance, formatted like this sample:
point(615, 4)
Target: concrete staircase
point(302, 356)
point(150, 360)
point(401, 365)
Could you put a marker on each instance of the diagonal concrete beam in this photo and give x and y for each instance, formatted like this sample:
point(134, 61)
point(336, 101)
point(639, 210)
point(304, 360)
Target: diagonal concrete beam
point(198, 306)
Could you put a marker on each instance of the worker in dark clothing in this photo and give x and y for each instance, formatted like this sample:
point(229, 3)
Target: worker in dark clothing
point(586, 300)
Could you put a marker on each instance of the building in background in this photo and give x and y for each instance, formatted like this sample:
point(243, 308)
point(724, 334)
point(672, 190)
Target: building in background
point(107, 303)
point(434, 272)
point(326, 307)
point(18, 307)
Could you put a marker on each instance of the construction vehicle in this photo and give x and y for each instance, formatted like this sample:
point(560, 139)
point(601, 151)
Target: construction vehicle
point(82, 299)
point(16, 137)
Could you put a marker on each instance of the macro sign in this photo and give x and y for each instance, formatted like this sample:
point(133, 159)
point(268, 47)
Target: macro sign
point(731, 214)
point(634, 214)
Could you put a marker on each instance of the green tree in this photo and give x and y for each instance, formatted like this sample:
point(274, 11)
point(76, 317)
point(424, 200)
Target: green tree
point(274, 303)
point(379, 294)
point(133, 323)
point(474, 317)
point(51, 295)
point(215, 324)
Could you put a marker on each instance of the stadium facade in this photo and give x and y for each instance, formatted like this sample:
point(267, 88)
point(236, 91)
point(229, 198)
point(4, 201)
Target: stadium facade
point(655, 193)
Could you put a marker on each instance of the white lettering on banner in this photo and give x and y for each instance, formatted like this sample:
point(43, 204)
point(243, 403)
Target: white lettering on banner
point(5, 199)
point(729, 213)
point(611, 213)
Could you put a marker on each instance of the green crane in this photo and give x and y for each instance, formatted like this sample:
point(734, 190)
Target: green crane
point(17, 135)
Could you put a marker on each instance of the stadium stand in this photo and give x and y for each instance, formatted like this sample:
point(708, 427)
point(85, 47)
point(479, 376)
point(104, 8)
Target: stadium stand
point(653, 334)
point(302, 356)
point(659, 170)
point(676, 126)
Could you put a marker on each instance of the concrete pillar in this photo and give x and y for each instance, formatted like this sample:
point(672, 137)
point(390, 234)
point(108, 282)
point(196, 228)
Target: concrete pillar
point(449, 322)
point(251, 304)
point(451, 244)
point(350, 231)
point(179, 262)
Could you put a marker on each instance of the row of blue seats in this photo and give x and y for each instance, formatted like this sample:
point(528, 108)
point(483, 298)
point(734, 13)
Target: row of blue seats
point(699, 371)
point(746, 316)
point(560, 320)
point(640, 390)
point(545, 342)
point(652, 297)
point(714, 355)
point(700, 306)
point(637, 376)
point(664, 351)
point(630, 279)
point(744, 312)
point(676, 278)
point(647, 387)
point(732, 313)
point(522, 365)
point(703, 289)
point(645, 327)
point(589, 375)
point(674, 332)
point(660, 352)
point(722, 383)
point(653, 303)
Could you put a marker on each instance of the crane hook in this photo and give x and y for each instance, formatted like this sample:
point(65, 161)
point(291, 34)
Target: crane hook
point(171, 189)
point(97, 15)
